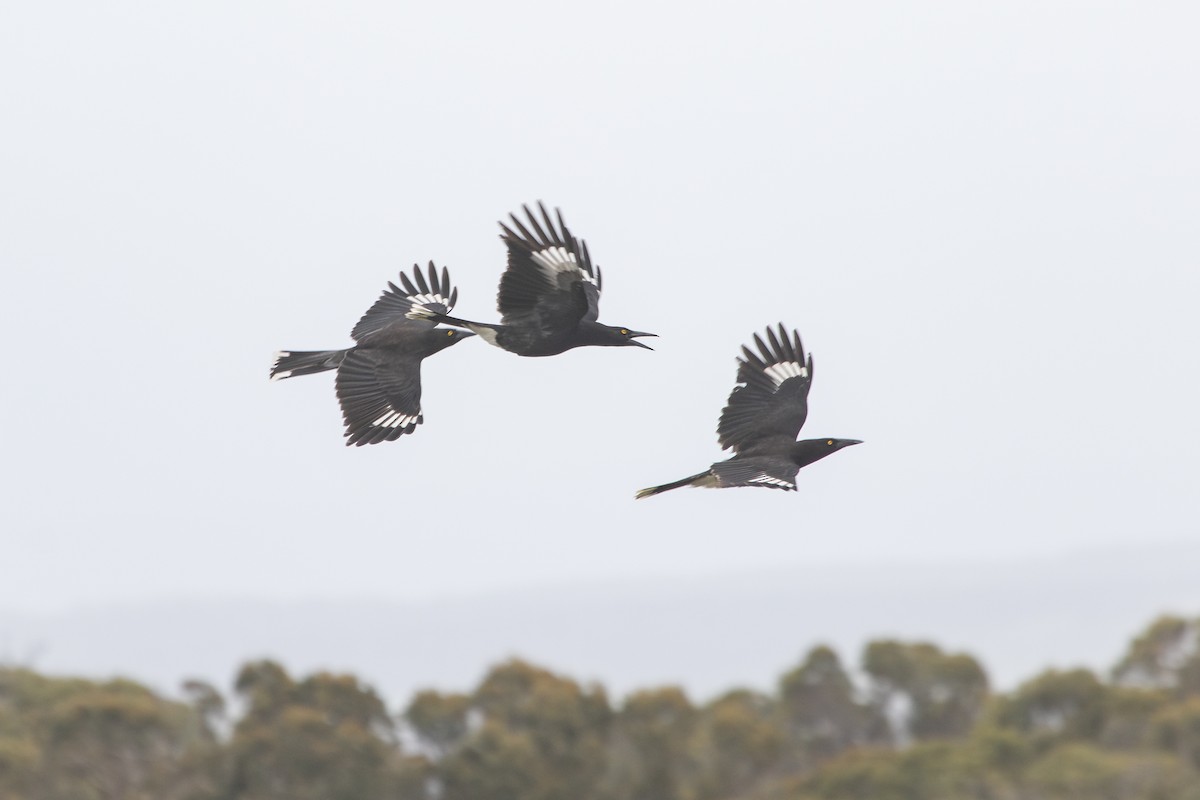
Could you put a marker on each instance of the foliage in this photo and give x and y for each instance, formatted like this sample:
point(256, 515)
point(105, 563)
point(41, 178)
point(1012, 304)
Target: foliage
point(1176, 729)
point(924, 692)
point(439, 720)
point(648, 753)
point(327, 738)
point(1056, 705)
point(79, 739)
point(820, 710)
point(554, 728)
point(922, 725)
point(1164, 656)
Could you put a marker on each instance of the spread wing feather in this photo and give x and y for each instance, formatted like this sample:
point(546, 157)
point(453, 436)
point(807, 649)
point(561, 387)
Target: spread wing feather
point(380, 395)
point(770, 402)
point(550, 283)
point(395, 304)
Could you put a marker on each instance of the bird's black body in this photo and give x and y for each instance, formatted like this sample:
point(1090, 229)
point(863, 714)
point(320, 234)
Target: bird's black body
point(379, 379)
point(549, 297)
point(762, 419)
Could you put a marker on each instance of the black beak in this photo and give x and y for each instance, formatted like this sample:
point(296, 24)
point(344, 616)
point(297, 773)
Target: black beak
point(632, 334)
point(848, 442)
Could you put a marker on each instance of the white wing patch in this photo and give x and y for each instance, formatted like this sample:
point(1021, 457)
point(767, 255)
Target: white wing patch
point(420, 302)
point(394, 419)
point(426, 299)
point(771, 480)
point(554, 260)
point(786, 369)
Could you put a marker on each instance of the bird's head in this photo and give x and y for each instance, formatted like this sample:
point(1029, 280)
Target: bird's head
point(444, 337)
point(615, 336)
point(806, 451)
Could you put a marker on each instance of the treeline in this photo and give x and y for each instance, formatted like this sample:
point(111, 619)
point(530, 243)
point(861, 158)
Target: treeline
point(917, 723)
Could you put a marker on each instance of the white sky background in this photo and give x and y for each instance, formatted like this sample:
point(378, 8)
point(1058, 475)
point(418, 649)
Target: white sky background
point(982, 217)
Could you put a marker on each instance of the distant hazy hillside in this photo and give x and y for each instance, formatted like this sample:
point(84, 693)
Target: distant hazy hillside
point(706, 634)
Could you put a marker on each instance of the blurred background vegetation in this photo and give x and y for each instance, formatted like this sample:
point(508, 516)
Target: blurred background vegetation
point(909, 720)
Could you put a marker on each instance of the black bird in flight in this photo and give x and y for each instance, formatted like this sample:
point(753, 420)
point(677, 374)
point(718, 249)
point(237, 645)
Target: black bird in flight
point(379, 379)
point(549, 296)
point(762, 419)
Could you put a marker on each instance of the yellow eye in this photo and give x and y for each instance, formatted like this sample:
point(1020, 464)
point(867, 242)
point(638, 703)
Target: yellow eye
point(624, 332)
point(830, 441)
point(450, 333)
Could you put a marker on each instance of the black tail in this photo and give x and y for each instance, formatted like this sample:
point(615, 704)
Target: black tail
point(290, 364)
point(694, 480)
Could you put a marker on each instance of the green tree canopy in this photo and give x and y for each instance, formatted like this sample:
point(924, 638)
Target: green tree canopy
point(820, 708)
point(649, 750)
point(328, 737)
point(1057, 705)
point(924, 692)
point(526, 733)
point(439, 720)
point(1165, 656)
point(566, 725)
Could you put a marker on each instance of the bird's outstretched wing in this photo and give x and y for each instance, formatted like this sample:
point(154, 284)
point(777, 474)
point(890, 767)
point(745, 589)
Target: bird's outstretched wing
point(550, 283)
point(395, 305)
point(770, 401)
point(380, 394)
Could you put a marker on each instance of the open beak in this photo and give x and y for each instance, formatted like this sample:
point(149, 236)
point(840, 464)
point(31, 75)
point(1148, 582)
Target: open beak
point(633, 334)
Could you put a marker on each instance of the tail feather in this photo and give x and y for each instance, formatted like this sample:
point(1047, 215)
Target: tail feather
point(419, 311)
point(693, 480)
point(289, 364)
point(482, 329)
point(422, 311)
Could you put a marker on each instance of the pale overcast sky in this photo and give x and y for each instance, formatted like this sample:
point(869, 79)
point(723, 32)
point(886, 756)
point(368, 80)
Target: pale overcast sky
point(982, 217)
